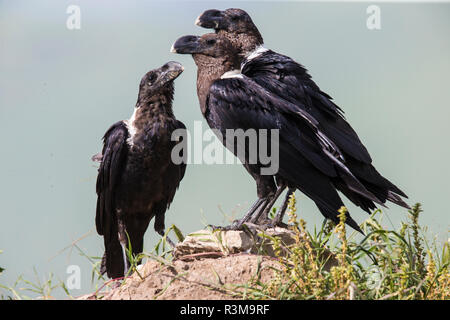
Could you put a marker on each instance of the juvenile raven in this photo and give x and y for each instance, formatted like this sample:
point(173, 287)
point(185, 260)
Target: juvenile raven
point(289, 80)
point(308, 160)
point(137, 179)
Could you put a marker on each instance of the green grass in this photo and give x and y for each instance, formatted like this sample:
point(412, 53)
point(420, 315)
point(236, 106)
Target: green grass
point(324, 263)
point(25, 289)
point(385, 264)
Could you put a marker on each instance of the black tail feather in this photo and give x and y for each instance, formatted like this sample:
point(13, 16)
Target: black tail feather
point(333, 216)
point(382, 188)
point(392, 197)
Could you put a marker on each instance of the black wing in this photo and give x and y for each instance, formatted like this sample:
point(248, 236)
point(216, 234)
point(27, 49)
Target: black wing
point(178, 170)
point(113, 159)
point(304, 161)
point(286, 78)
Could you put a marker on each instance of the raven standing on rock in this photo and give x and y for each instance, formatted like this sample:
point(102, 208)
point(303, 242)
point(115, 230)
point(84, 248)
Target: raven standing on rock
point(137, 179)
point(289, 80)
point(308, 159)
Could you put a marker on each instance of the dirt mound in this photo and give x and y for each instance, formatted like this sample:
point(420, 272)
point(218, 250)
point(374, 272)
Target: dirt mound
point(204, 279)
point(207, 265)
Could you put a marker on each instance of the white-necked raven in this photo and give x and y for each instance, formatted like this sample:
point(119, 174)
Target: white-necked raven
point(308, 159)
point(137, 179)
point(289, 80)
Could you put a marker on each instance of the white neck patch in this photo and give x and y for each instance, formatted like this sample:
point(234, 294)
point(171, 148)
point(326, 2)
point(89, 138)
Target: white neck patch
point(256, 53)
point(131, 128)
point(236, 73)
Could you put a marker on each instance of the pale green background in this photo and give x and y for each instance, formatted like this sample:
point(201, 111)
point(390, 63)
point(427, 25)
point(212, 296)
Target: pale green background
point(61, 89)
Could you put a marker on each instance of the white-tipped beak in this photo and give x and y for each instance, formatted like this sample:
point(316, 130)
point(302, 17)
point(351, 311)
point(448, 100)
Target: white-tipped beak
point(197, 21)
point(172, 49)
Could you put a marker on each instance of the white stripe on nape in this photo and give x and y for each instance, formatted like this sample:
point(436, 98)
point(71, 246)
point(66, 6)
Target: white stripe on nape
point(236, 73)
point(256, 53)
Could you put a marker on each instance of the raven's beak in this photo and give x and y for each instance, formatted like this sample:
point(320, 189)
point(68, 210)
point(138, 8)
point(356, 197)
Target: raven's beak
point(171, 70)
point(211, 19)
point(186, 45)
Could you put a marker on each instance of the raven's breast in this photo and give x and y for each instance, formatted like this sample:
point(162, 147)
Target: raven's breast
point(146, 172)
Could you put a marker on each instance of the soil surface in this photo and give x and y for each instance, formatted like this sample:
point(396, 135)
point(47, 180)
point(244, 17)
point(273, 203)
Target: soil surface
point(200, 279)
point(207, 265)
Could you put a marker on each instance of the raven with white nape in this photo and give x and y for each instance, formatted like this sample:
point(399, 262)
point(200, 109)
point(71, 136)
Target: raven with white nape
point(137, 178)
point(308, 159)
point(289, 80)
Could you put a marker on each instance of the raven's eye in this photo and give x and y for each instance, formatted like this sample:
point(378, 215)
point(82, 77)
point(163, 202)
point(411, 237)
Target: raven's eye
point(151, 78)
point(210, 42)
point(234, 18)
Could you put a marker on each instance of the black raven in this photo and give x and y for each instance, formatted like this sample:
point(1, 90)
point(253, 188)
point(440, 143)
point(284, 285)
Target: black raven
point(289, 80)
point(137, 178)
point(308, 160)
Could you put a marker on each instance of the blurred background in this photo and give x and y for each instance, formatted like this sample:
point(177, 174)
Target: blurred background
point(60, 90)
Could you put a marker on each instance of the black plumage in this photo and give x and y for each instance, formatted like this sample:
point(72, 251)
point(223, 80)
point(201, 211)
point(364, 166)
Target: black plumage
point(308, 159)
point(286, 78)
point(137, 178)
point(289, 80)
point(240, 103)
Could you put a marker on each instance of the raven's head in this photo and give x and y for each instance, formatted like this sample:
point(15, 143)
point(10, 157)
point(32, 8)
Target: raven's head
point(160, 80)
point(230, 20)
point(213, 54)
point(235, 24)
point(210, 44)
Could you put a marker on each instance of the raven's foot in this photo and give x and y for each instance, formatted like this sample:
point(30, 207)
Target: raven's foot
point(170, 242)
point(273, 224)
point(166, 238)
point(214, 227)
point(235, 225)
point(239, 225)
point(116, 283)
point(262, 225)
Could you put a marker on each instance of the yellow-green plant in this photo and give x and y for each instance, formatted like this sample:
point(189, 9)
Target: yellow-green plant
point(329, 264)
